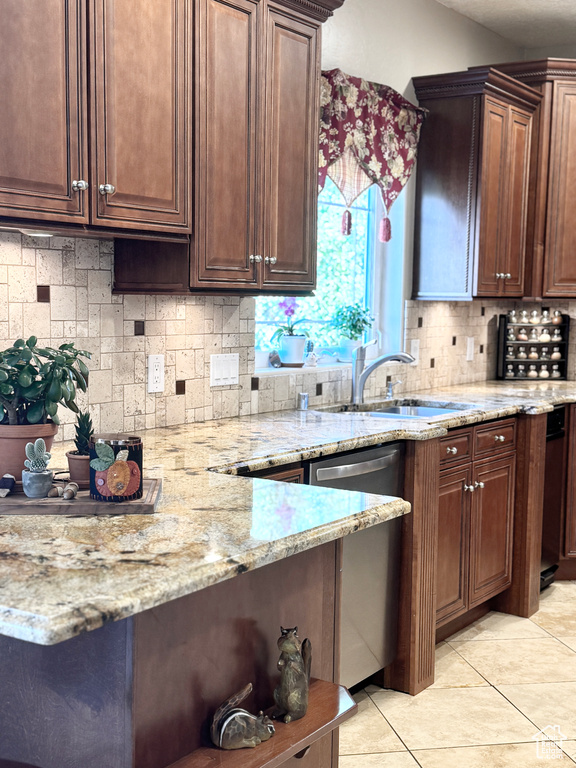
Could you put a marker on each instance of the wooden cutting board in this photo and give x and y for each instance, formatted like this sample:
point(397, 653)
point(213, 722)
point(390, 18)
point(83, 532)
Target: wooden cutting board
point(19, 504)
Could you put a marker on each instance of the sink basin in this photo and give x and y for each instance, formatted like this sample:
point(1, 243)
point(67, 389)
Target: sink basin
point(398, 409)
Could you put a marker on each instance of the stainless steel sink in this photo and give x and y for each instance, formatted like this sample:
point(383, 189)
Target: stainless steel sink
point(397, 409)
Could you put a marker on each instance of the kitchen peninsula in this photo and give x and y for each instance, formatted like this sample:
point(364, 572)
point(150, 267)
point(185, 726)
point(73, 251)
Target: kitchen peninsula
point(120, 634)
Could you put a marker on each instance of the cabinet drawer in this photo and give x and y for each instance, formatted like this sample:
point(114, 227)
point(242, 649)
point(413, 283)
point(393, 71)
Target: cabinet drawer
point(495, 438)
point(456, 446)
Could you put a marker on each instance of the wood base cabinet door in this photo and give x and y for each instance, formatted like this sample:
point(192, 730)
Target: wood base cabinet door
point(291, 157)
point(43, 132)
point(141, 92)
point(453, 533)
point(491, 527)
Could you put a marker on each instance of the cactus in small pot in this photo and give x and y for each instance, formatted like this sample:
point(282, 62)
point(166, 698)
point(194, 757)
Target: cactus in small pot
point(37, 478)
point(79, 460)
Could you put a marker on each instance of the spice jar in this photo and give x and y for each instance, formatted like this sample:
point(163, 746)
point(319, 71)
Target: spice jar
point(521, 355)
point(555, 372)
point(534, 336)
point(524, 319)
point(533, 353)
point(545, 319)
point(556, 336)
point(521, 372)
point(544, 335)
point(544, 354)
point(509, 372)
point(511, 334)
point(556, 317)
point(556, 354)
point(522, 335)
point(544, 372)
point(532, 372)
point(535, 317)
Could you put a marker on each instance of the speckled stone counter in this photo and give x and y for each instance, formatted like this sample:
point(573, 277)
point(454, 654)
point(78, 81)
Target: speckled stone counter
point(60, 576)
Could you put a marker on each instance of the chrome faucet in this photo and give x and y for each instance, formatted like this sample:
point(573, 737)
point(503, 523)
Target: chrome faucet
point(361, 371)
point(390, 388)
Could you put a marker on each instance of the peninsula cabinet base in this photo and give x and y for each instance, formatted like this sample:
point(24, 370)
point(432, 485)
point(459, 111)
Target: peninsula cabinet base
point(139, 693)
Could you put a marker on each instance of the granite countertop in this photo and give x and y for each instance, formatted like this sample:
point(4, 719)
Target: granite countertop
point(60, 576)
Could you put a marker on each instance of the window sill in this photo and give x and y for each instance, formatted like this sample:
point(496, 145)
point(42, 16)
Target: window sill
point(307, 369)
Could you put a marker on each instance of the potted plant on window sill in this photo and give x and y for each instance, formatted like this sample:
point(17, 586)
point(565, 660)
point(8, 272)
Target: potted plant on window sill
point(291, 344)
point(34, 381)
point(79, 460)
point(351, 320)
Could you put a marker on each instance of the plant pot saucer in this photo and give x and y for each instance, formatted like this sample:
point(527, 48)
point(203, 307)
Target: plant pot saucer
point(293, 365)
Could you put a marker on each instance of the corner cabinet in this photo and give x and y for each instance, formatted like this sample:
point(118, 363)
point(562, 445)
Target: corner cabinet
point(472, 185)
point(110, 151)
point(552, 231)
point(475, 517)
point(256, 147)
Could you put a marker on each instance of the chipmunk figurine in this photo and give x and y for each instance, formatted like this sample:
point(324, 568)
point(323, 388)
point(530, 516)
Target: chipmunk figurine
point(291, 695)
point(235, 728)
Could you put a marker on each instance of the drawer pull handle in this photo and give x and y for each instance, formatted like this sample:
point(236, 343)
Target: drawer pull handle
point(469, 488)
point(499, 438)
point(479, 485)
point(453, 451)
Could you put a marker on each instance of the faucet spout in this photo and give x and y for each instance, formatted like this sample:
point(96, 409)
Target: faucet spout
point(361, 371)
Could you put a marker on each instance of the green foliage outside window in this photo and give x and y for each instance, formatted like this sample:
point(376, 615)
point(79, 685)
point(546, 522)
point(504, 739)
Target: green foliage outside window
point(342, 273)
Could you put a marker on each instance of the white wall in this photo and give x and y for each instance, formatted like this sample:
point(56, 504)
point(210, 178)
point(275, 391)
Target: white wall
point(391, 41)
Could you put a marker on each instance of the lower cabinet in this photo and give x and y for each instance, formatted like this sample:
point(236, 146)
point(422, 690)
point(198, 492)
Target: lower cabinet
point(475, 517)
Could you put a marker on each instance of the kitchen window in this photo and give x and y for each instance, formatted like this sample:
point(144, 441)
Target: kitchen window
point(351, 269)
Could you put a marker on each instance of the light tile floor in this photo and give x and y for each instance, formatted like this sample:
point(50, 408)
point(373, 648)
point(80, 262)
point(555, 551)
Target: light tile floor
point(498, 683)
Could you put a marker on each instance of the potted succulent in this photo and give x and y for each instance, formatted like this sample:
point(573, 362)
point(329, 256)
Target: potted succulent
point(34, 381)
point(351, 320)
point(37, 479)
point(79, 460)
point(291, 344)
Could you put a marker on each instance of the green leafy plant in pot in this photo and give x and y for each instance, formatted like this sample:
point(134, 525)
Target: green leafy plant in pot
point(351, 321)
point(79, 460)
point(34, 381)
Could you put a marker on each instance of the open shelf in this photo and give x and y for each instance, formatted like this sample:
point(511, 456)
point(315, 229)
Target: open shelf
point(329, 706)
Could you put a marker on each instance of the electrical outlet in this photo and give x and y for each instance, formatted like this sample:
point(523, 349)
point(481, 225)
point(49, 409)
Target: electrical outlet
point(155, 373)
point(415, 350)
point(469, 349)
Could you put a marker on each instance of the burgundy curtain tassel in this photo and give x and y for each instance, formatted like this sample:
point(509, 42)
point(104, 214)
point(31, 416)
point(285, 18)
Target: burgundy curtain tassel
point(346, 228)
point(385, 229)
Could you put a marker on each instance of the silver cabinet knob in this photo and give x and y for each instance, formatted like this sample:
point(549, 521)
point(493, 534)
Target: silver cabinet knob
point(507, 276)
point(469, 488)
point(478, 485)
point(499, 438)
point(453, 451)
point(270, 259)
point(499, 275)
point(106, 189)
point(255, 259)
point(79, 186)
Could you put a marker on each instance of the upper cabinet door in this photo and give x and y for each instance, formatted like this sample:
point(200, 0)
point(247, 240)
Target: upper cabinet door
point(517, 175)
point(291, 157)
point(141, 91)
point(560, 264)
point(492, 198)
point(42, 102)
point(227, 60)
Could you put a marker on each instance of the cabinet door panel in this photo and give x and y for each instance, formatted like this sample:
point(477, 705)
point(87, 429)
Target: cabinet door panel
point(492, 206)
point(291, 158)
point(491, 529)
point(560, 266)
point(226, 162)
point(570, 520)
point(517, 170)
point(140, 90)
point(43, 102)
point(452, 558)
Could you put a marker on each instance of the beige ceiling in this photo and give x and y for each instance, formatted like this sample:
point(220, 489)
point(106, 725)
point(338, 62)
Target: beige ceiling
point(528, 23)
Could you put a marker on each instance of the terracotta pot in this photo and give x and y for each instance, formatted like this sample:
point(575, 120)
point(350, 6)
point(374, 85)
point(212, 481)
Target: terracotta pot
point(13, 441)
point(79, 467)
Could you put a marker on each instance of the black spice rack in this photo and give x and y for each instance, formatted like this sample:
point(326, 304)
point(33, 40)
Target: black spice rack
point(541, 356)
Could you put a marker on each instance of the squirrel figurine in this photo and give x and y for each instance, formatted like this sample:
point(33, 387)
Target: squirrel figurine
point(235, 728)
point(291, 696)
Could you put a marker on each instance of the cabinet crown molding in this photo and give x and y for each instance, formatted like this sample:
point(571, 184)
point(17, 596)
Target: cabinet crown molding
point(539, 70)
point(320, 10)
point(477, 81)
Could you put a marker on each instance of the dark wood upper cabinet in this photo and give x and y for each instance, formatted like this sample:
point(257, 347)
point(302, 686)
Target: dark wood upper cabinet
point(551, 268)
point(43, 127)
point(138, 110)
point(141, 94)
point(256, 173)
point(472, 185)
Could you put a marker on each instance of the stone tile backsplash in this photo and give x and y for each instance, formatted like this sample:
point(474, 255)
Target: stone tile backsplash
point(188, 329)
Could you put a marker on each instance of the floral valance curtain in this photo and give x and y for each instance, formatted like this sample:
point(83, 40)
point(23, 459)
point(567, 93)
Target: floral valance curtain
point(368, 135)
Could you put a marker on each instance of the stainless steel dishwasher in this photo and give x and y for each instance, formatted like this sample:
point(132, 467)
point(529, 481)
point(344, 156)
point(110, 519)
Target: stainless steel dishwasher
point(370, 562)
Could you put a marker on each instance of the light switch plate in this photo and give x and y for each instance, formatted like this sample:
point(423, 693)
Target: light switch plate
point(155, 373)
point(224, 370)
